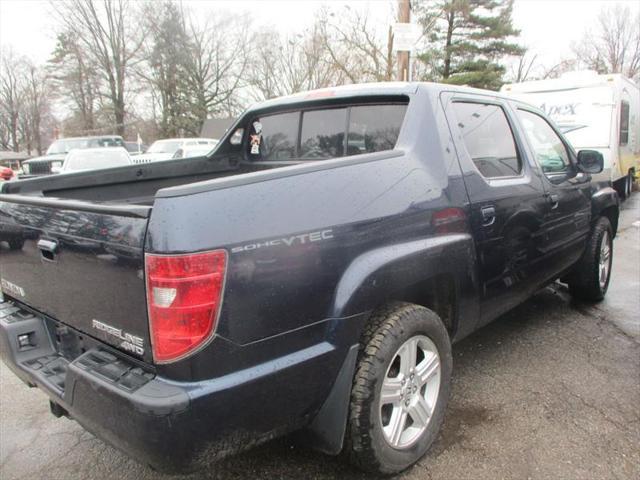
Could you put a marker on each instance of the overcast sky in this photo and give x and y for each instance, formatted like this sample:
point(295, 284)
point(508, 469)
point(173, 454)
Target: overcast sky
point(548, 26)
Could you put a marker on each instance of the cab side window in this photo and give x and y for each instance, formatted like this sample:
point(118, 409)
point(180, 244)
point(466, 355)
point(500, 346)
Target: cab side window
point(488, 138)
point(550, 151)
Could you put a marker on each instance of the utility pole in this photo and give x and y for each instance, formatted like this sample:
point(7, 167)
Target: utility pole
point(404, 16)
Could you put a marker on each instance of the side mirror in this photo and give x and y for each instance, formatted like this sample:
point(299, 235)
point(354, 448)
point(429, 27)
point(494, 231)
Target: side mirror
point(590, 161)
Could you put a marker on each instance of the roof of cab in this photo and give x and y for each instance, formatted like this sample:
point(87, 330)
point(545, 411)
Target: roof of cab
point(343, 91)
point(367, 90)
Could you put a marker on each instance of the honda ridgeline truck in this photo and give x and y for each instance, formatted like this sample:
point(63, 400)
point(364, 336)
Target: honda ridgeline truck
point(309, 274)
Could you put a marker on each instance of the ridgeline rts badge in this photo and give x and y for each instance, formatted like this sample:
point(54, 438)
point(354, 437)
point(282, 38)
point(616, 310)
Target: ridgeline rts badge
point(130, 343)
point(12, 289)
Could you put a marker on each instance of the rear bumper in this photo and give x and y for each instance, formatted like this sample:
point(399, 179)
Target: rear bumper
point(171, 426)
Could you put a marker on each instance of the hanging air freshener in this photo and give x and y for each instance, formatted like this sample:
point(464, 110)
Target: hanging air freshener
point(255, 139)
point(255, 144)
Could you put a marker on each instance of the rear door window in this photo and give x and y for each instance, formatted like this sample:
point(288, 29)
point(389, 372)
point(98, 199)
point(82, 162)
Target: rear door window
point(320, 134)
point(488, 139)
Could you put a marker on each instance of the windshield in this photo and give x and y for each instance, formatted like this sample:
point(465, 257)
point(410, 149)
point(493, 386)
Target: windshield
point(65, 146)
point(93, 160)
point(164, 147)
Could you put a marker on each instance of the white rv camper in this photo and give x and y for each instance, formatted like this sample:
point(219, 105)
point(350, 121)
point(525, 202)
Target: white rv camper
point(596, 112)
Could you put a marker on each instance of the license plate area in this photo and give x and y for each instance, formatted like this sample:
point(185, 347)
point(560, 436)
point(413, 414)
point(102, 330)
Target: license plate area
point(43, 349)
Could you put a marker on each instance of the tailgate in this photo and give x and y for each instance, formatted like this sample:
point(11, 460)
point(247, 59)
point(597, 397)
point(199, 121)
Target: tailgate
point(79, 263)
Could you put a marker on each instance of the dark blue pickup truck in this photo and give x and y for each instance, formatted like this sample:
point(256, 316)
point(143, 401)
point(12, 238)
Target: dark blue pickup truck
point(308, 275)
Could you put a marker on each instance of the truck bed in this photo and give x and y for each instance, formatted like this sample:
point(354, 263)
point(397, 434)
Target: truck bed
point(136, 184)
point(72, 234)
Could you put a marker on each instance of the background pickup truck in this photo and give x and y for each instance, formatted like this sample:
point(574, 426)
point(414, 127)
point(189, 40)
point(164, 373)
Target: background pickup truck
point(309, 274)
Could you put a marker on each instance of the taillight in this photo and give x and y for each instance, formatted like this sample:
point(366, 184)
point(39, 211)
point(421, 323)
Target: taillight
point(184, 293)
point(449, 220)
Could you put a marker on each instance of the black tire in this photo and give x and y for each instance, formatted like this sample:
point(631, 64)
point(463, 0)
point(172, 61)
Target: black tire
point(16, 244)
point(387, 331)
point(584, 282)
point(620, 186)
point(626, 187)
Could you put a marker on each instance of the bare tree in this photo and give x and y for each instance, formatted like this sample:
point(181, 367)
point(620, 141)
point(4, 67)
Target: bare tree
point(110, 39)
point(11, 96)
point(557, 69)
point(523, 69)
point(358, 50)
point(24, 103)
point(75, 80)
point(165, 57)
point(215, 64)
point(613, 46)
point(341, 46)
point(34, 107)
point(286, 64)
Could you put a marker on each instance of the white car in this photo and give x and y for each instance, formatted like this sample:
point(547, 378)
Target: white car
point(162, 150)
point(95, 159)
point(194, 150)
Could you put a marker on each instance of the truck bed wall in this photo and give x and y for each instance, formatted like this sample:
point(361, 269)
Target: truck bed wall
point(136, 184)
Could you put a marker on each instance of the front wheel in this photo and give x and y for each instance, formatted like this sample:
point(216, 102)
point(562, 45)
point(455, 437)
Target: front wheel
point(400, 389)
point(590, 280)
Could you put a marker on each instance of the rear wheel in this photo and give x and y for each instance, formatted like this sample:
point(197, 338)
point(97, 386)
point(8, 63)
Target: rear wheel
point(621, 186)
point(590, 280)
point(16, 244)
point(625, 186)
point(400, 389)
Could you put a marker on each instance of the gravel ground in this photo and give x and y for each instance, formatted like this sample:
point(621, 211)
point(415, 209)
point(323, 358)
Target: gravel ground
point(550, 390)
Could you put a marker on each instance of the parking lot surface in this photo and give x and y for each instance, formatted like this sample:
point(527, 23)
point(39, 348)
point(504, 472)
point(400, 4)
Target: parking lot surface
point(550, 390)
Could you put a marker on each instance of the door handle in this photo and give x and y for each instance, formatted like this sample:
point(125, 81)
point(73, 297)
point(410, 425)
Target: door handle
point(553, 200)
point(488, 216)
point(48, 249)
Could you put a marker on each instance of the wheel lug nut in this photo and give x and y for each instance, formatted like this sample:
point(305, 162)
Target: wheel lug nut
point(407, 403)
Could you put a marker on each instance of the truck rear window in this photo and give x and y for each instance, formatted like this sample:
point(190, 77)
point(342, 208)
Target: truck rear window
point(325, 133)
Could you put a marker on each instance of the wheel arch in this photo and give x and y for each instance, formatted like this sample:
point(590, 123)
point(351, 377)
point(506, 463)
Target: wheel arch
point(606, 203)
point(435, 272)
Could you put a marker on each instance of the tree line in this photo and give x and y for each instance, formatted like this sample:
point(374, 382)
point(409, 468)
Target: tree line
point(156, 69)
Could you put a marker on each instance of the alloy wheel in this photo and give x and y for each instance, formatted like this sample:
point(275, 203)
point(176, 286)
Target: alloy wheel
point(604, 265)
point(410, 392)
